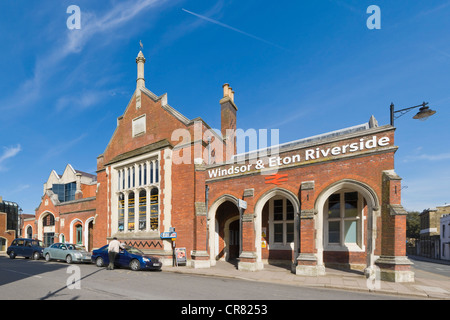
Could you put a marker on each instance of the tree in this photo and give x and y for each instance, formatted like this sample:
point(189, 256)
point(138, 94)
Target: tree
point(413, 225)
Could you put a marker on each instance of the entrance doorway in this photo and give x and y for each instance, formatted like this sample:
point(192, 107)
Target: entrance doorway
point(234, 240)
point(90, 236)
point(227, 233)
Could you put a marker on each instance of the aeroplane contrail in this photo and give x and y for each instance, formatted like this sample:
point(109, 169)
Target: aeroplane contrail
point(232, 28)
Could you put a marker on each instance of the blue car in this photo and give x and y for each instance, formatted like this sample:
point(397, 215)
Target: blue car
point(28, 248)
point(129, 257)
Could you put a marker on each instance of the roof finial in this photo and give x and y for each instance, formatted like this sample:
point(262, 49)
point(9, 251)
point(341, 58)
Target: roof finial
point(140, 60)
point(141, 45)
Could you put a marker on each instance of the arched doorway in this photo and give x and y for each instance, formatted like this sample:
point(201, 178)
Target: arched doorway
point(29, 232)
point(234, 242)
point(47, 222)
point(224, 230)
point(346, 225)
point(90, 235)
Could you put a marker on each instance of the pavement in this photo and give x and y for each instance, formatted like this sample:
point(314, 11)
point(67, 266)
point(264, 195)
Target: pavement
point(426, 285)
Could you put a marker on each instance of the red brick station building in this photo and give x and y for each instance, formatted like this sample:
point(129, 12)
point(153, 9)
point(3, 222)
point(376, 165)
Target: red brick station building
point(328, 200)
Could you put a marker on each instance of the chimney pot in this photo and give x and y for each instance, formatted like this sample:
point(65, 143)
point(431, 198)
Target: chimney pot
point(226, 90)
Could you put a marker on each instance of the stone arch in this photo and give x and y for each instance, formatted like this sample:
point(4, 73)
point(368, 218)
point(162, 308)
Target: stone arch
point(29, 231)
point(40, 225)
point(373, 211)
point(72, 225)
point(212, 223)
point(260, 203)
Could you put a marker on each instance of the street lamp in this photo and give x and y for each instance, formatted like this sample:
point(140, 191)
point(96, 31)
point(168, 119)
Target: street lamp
point(424, 112)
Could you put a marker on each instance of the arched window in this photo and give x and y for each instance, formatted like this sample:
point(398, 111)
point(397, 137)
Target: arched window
point(131, 201)
point(281, 219)
point(79, 234)
point(343, 219)
point(154, 209)
point(121, 211)
point(142, 210)
point(48, 220)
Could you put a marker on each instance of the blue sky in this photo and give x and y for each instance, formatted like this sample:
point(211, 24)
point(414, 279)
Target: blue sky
point(304, 67)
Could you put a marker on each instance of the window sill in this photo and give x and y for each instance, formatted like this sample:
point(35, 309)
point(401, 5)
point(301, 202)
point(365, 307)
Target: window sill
point(279, 246)
point(346, 248)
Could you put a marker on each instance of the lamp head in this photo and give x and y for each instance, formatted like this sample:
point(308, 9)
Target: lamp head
point(424, 112)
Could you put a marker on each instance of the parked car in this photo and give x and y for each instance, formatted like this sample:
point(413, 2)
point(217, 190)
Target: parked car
point(130, 257)
point(28, 248)
point(68, 252)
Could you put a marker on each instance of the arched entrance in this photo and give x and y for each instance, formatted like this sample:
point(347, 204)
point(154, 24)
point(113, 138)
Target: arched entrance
point(346, 225)
point(224, 230)
point(29, 232)
point(46, 228)
point(90, 235)
point(277, 227)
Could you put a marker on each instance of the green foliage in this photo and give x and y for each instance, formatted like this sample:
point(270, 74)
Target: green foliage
point(413, 225)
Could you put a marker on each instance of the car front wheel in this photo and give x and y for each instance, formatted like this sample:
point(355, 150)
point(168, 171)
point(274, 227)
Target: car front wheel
point(69, 259)
point(12, 255)
point(135, 265)
point(47, 257)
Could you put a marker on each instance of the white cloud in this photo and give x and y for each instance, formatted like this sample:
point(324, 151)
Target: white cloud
point(58, 149)
point(429, 157)
point(91, 25)
point(82, 101)
point(9, 152)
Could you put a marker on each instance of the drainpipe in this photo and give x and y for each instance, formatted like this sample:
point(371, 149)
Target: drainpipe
point(207, 219)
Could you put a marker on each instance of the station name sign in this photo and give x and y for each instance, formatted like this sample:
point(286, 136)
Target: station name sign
point(309, 155)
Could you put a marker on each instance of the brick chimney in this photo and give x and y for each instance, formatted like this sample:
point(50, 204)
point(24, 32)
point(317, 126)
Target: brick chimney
point(228, 121)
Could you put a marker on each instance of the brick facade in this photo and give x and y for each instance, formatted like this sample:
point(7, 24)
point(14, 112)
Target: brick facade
point(161, 171)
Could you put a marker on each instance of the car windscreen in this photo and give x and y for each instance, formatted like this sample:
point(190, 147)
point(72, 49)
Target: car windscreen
point(75, 247)
point(133, 250)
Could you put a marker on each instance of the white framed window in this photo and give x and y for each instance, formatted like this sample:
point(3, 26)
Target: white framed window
point(139, 125)
point(281, 223)
point(138, 195)
point(343, 221)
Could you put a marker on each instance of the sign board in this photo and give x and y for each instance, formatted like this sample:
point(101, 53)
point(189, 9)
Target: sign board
point(180, 255)
point(168, 235)
point(323, 153)
point(242, 204)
